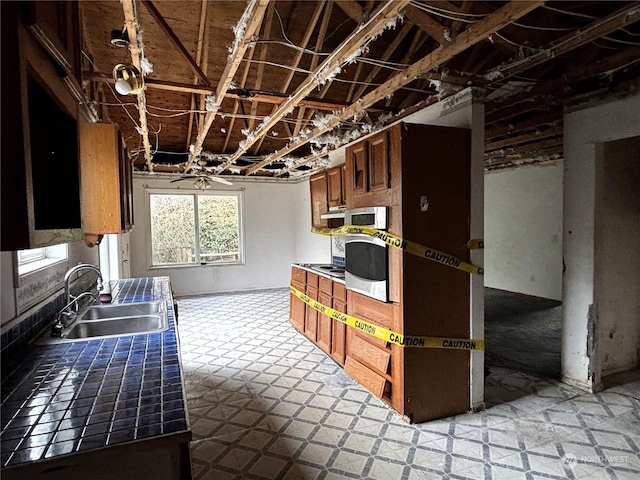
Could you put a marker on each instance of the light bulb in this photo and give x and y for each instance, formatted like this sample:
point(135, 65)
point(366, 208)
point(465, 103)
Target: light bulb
point(123, 87)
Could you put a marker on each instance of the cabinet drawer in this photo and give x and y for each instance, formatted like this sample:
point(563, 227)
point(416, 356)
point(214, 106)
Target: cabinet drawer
point(312, 280)
point(366, 377)
point(298, 275)
point(339, 292)
point(371, 310)
point(326, 285)
point(377, 358)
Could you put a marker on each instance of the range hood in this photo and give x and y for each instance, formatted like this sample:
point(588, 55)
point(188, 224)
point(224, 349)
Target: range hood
point(334, 212)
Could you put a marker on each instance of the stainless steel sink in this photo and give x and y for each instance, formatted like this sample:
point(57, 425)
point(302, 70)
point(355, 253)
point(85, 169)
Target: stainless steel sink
point(99, 312)
point(117, 326)
point(104, 321)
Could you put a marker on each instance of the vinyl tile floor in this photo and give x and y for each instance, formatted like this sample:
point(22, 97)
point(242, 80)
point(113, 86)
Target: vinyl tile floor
point(265, 403)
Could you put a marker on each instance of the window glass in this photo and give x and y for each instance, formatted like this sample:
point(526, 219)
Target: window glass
point(38, 258)
point(195, 229)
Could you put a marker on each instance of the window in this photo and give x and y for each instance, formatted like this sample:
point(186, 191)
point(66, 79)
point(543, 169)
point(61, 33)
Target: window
point(38, 258)
point(195, 229)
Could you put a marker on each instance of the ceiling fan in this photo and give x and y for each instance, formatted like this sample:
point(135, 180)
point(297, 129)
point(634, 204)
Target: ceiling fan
point(202, 176)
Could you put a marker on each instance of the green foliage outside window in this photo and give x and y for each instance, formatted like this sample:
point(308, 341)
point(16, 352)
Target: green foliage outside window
point(194, 229)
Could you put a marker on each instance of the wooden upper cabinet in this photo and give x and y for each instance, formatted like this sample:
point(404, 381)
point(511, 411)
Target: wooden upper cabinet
point(357, 168)
point(56, 26)
point(40, 176)
point(369, 171)
point(106, 182)
point(319, 200)
point(378, 162)
point(335, 186)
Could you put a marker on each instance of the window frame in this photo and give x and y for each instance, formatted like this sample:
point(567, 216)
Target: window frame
point(39, 258)
point(194, 194)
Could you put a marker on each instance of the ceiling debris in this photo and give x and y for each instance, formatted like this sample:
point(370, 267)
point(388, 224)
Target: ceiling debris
point(247, 88)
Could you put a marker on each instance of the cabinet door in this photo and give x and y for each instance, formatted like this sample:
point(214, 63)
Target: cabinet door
point(339, 333)
point(357, 157)
point(311, 316)
point(297, 308)
point(378, 162)
point(319, 203)
point(126, 185)
point(100, 170)
point(324, 324)
point(334, 178)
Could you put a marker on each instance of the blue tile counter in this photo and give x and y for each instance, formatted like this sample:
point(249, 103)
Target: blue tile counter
point(70, 398)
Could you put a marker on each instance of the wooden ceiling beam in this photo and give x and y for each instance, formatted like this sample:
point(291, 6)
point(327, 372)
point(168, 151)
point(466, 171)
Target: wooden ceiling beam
point(351, 8)
point(175, 40)
point(524, 138)
point(324, 25)
point(564, 83)
point(260, 97)
point(334, 61)
point(251, 19)
point(393, 46)
point(131, 24)
point(201, 51)
point(550, 119)
point(427, 24)
point(475, 33)
point(236, 104)
point(619, 19)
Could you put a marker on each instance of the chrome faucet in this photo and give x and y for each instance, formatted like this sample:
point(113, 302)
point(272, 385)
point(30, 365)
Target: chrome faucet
point(67, 315)
point(81, 266)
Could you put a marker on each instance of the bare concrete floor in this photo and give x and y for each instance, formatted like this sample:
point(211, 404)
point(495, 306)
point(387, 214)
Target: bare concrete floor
point(523, 333)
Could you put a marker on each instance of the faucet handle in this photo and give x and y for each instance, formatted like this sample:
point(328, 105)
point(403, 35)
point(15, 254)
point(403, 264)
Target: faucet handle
point(56, 330)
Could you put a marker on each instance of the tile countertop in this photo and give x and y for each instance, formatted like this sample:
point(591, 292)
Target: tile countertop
point(74, 397)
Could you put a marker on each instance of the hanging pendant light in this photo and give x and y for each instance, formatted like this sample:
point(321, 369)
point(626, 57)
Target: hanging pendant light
point(202, 183)
point(128, 79)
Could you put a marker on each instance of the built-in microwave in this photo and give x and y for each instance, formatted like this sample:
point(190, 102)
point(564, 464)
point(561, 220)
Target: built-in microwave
point(367, 264)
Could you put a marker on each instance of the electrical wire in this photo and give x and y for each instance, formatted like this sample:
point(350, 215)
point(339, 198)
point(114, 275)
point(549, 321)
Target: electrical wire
point(441, 12)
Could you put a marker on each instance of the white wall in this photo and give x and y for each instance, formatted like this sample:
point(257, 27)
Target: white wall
point(277, 223)
point(523, 230)
point(583, 130)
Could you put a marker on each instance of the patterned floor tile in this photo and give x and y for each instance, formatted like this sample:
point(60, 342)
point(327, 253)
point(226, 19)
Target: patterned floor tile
point(266, 403)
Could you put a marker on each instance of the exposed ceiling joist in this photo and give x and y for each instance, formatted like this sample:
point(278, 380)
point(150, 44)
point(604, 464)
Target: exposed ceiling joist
point(323, 73)
point(351, 8)
point(336, 59)
point(560, 86)
point(249, 24)
point(322, 32)
point(526, 138)
point(175, 40)
point(619, 19)
point(131, 24)
point(427, 24)
point(201, 54)
point(475, 33)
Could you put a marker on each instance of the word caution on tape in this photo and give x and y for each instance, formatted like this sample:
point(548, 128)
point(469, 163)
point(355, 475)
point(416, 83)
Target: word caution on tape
point(389, 335)
point(407, 245)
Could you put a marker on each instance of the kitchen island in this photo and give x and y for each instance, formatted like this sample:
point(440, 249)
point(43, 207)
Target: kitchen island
point(101, 409)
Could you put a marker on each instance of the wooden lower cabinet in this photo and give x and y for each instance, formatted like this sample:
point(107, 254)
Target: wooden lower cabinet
point(339, 329)
point(325, 297)
point(311, 314)
point(297, 307)
point(329, 334)
point(373, 362)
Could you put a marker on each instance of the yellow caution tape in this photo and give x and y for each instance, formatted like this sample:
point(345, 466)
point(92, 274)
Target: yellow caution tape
point(406, 245)
point(475, 243)
point(389, 335)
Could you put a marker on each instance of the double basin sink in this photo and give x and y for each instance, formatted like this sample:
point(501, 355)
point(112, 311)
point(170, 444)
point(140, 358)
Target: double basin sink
point(113, 320)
